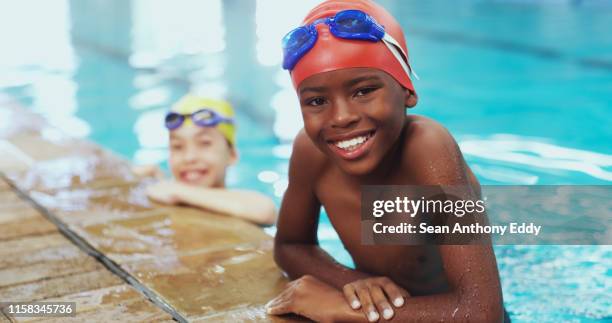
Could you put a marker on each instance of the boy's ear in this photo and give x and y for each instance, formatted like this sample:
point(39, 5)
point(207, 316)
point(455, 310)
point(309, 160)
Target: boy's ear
point(410, 99)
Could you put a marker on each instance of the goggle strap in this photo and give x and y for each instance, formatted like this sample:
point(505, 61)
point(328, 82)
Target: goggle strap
point(214, 113)
point(399, 54)
point(398, 57)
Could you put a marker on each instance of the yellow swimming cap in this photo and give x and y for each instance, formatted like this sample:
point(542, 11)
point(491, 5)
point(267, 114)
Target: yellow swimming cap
point(191, 103)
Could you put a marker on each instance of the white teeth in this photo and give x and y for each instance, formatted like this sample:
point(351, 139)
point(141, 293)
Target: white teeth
point(353, 143)
point(191, 176)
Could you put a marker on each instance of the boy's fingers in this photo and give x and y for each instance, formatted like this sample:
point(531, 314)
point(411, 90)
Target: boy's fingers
point(280, 304)
point(273, 302)
point(279, 308)
point(394, 293)
point(351, 296)
point(382, 304)
point(284, 296)
point(366, 304)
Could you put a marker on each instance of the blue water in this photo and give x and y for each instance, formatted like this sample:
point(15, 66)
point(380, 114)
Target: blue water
point(524, 86)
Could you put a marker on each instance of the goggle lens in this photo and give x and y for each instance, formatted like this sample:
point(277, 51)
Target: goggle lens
point(174, 120)
point(352, 21)
point(204, 118)
point(296, 38)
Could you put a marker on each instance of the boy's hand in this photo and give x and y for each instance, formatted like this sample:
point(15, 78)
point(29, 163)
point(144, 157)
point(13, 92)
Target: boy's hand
point(166, 192)
point(374, 295)
point(314, 299)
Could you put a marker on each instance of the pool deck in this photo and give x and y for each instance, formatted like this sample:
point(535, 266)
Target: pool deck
point(75, 225)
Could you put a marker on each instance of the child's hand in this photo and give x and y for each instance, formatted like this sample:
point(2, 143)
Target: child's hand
point(373, 296)
point(314, 299)
point(166, 192)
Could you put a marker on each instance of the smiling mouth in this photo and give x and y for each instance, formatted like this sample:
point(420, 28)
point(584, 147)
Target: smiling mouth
point(353, 147)
point(353, 143)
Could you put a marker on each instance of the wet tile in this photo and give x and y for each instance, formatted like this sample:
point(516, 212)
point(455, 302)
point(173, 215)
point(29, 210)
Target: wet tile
point(205, 283)
point(116, 303)
point(40, 146)
point(59, 286)
point(135, 311)
point(13, 159)
point(25, 250)
point(248, 314)
point(62, 162)
point(8, 197)
point(4, 185)
point(19, 218)
point(49, 269)
point(93, 299)
point(74, 171)
point(26, 227)
point(51, 254)
point(18, 210)
point(86, 206)
point(21, 209)
point(173, 231)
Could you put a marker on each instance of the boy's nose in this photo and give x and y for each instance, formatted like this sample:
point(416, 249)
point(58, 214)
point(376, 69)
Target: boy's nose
point(191, 155)
point(343, 115)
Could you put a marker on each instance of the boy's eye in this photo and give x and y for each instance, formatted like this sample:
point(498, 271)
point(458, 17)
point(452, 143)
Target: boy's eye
point(315, 102)
point(365, 91)
point(176, 146)
point(204, 142)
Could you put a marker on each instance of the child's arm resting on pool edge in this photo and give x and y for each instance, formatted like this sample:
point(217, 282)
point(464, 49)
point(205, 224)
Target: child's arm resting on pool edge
point(296, 249)
point(475, 296)
point(248, 205)
point(471, 270)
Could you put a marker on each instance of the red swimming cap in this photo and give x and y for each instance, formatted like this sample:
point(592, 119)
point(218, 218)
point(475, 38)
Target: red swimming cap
point(331, 53)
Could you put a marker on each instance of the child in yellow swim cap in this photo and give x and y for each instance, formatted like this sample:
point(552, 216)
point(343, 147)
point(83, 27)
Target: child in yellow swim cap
point(202, 146)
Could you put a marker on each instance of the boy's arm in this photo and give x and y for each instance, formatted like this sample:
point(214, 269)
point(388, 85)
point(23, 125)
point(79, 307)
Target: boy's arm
point(471, 270)
point(475, 291)
point(296, 248)
point(475, 294)
point(248, 205)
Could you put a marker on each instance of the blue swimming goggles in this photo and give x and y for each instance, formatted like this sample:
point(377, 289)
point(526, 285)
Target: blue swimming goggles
point(203, 118)
point(346, 24)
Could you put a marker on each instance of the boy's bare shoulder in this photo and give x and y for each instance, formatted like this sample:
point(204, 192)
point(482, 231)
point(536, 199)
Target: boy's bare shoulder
point(421, 130)
point(431, 154)
point(307, 161)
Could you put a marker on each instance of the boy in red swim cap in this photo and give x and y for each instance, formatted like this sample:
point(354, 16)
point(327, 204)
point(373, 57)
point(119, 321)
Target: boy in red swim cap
point(349, 66)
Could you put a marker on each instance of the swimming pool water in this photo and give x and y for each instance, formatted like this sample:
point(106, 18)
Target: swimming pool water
point(524, 86)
